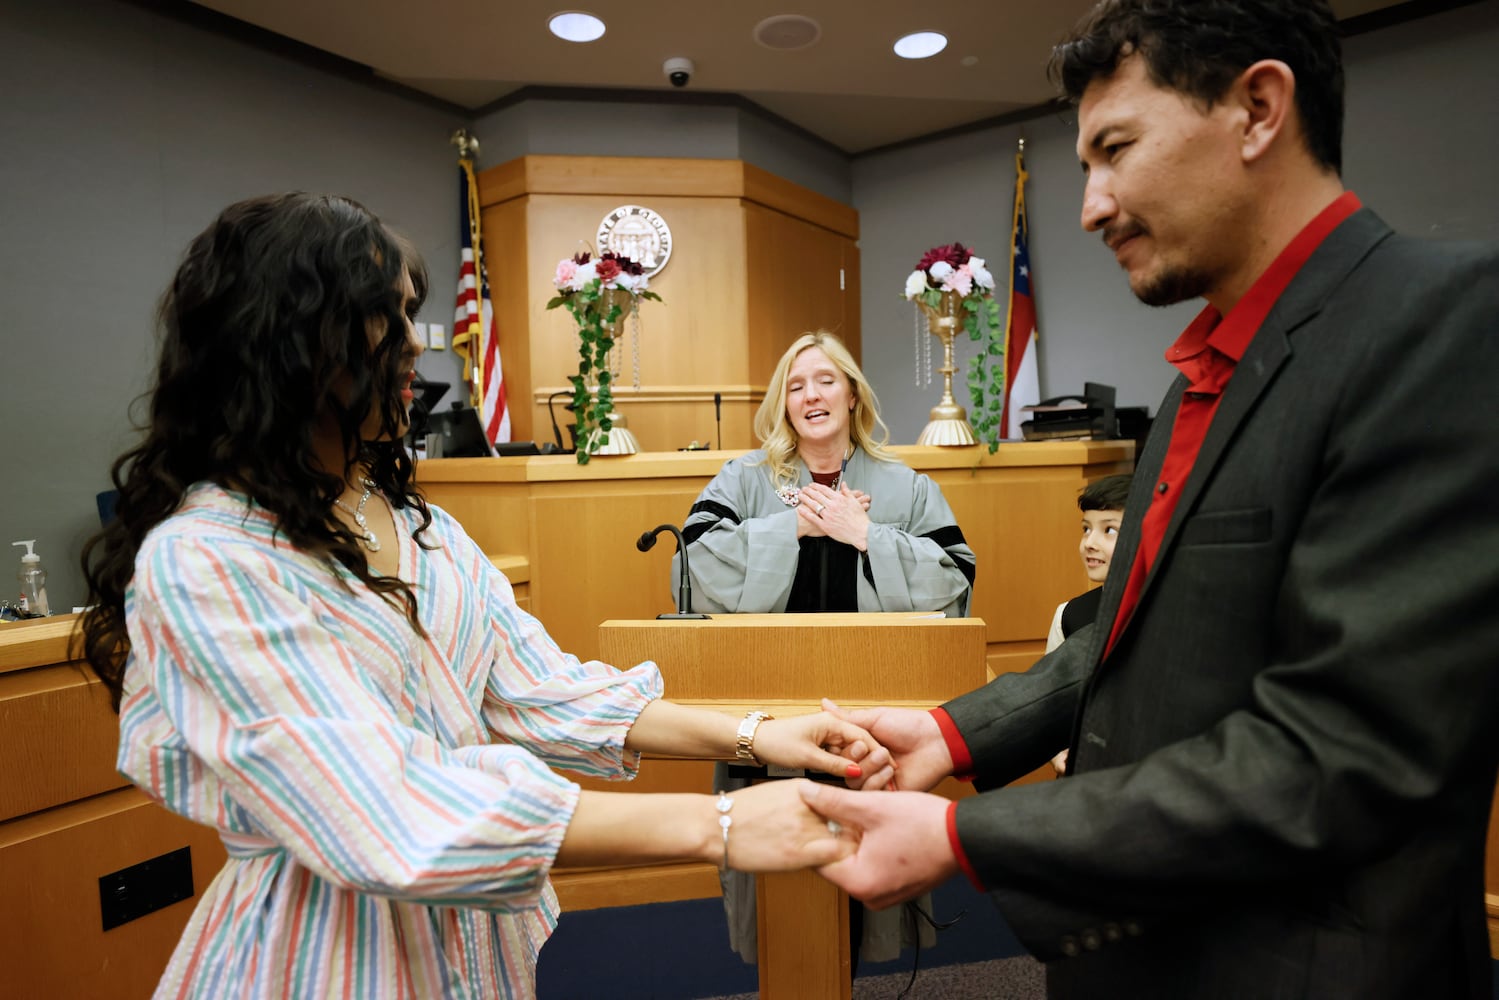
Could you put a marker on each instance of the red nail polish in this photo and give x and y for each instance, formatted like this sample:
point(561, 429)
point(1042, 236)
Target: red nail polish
point(853, 770)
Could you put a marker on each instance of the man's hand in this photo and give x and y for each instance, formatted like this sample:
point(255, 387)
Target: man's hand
point(920, 754)
point(903, 848)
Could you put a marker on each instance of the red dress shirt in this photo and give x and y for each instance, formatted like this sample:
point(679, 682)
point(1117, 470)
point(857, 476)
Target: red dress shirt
point(1206, 353)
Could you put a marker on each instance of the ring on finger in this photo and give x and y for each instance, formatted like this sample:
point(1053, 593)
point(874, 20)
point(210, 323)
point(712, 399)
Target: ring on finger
point(834, 827)
point(820, 508)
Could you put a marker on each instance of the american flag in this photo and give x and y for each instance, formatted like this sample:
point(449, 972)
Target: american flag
point(476, 335)
point(1022, 383)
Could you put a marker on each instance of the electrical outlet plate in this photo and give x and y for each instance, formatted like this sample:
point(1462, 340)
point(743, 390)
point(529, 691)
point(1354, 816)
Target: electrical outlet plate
point(145, 888)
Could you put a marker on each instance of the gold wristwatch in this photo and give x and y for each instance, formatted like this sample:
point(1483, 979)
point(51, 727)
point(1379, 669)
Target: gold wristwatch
point(744, 742)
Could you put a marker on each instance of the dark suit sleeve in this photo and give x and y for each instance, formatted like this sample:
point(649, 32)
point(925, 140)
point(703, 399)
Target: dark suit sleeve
point(1371, 721)
point(1017, 722)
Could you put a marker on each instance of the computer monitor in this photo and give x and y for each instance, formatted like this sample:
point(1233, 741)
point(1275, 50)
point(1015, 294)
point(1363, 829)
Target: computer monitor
point(428, 394)
point(460, 433)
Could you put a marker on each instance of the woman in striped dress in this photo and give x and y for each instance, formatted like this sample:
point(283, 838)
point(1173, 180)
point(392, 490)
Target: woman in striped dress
point(314, 661)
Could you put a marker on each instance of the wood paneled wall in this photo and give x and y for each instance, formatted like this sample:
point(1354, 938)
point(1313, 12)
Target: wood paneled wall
point(66, 819)
point(756, 261)
point(577, 527)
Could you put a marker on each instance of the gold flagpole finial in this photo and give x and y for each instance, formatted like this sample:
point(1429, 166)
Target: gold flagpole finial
point(1022, 145)
point(468, 146)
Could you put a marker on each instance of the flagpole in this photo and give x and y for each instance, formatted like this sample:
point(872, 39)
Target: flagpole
point(473, 338)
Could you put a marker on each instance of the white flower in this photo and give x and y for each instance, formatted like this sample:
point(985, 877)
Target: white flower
point(941, 271)
point(586, 273)
point(981, 275)
point(915, 284)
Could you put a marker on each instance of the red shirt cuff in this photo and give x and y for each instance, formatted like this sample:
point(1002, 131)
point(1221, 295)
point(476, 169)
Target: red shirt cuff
point(962, 760)
point(957, 847)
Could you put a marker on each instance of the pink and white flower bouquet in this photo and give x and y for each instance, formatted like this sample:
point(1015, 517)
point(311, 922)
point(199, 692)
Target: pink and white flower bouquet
point(950, 280)
point(598, 292)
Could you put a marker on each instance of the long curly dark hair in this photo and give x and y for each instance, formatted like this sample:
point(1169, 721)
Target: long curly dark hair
point(268, 331)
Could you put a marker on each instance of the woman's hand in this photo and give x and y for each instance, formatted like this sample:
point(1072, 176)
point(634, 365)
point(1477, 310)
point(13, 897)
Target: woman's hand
point(773, 830)
point(840, 514)
point(820, 742)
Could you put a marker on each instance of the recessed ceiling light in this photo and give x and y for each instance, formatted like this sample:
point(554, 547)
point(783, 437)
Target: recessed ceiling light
point(787, 32)
point(576, 26)
point(920, 44)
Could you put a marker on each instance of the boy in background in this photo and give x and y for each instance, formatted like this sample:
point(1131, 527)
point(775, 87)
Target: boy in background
point(1102, 504)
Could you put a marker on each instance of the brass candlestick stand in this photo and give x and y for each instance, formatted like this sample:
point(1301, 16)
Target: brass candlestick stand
point(948, 426)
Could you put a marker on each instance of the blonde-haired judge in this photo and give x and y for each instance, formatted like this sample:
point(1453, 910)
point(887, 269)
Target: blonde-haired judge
point(822, 517)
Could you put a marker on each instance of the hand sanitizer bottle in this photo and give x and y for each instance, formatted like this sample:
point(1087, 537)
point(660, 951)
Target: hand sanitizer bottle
point(33, 581)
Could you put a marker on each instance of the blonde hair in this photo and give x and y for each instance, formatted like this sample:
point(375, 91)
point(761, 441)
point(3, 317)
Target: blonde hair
point(778, 438)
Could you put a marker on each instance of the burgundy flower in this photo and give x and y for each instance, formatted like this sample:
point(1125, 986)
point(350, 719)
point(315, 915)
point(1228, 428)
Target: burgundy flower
point(955, 254)
point(626, 265)
point(607, 268)
point(582, 258)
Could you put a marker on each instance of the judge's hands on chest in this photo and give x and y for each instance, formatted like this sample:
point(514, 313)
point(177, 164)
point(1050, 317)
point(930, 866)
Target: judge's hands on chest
point(841, 514)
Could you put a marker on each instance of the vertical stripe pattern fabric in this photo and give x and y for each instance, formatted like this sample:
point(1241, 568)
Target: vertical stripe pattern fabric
point(387, 801)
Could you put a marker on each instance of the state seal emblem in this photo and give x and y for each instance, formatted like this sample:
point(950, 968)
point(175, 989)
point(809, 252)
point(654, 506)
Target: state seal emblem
point(638, 233)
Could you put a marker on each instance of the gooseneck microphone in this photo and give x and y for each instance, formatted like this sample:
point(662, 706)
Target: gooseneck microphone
point(557, 431)
point(645, 543)
point(718, 417)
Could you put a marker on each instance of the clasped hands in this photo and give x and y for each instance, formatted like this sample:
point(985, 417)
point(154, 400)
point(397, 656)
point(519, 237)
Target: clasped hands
point(841, 514)
point(880, 848)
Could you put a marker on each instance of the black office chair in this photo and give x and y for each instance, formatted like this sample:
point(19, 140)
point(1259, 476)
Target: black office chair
point(106, 503)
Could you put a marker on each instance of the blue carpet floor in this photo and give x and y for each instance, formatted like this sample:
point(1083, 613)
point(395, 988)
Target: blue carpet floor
point(675, 951)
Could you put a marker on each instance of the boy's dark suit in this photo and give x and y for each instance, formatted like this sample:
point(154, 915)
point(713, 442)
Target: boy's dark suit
point(1283, 770)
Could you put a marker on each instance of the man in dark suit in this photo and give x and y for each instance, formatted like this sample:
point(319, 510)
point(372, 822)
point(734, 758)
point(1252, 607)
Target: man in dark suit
point(1284, 724)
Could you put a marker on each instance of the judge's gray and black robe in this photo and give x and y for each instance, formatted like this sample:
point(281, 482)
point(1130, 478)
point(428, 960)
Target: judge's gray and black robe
point(745, 556)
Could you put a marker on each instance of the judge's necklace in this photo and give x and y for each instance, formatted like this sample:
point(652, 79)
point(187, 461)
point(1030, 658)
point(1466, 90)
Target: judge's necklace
point(369, 541)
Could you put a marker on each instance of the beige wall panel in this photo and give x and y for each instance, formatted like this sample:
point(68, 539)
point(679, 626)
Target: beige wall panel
point(496, 516)
point(58, 736)
point(696, 335)
point(796, 285)
point(1022, 528)
point(52, 944)
point(585, 567)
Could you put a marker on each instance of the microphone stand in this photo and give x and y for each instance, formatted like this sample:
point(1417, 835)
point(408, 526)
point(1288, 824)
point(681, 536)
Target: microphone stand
point(557, 431)
point(645, 543)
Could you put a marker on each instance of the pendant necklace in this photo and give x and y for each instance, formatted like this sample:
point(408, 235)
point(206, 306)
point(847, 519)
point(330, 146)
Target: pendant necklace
point(369, 540)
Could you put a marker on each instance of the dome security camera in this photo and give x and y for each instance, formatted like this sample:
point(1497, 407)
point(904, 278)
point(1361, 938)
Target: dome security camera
point(678, 70)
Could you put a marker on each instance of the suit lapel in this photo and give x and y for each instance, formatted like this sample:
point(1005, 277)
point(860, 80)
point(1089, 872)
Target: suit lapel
point(1270, 349)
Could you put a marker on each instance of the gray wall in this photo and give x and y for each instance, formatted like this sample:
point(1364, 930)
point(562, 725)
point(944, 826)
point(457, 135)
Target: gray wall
point(1421, 139)
point(123, 131)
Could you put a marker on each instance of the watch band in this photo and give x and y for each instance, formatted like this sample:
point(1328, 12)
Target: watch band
point(744, 741)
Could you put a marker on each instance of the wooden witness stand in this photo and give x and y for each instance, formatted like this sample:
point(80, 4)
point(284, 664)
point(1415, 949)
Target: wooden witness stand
point(785, 664)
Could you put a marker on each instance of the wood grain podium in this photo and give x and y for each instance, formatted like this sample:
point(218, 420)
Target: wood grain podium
point(786, 664)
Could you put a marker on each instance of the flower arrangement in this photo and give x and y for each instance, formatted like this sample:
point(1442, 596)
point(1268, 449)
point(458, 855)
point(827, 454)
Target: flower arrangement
point(597, 292)
point(950, 280)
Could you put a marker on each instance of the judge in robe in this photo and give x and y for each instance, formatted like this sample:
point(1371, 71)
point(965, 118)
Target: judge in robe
point(823, 518)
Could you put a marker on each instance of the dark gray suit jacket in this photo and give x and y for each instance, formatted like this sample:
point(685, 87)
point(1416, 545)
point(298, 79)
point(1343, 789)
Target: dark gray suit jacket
point(1282, 773)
